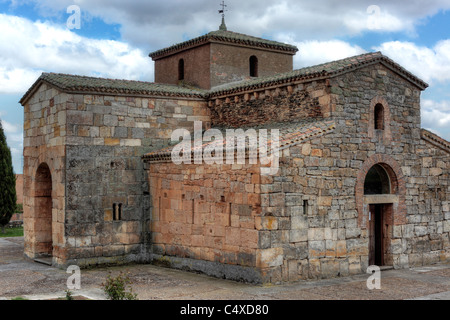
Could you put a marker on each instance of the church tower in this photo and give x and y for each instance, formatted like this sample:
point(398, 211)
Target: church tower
point(221, 57)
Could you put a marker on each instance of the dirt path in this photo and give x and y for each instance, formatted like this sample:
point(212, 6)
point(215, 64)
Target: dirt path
point(22, 277)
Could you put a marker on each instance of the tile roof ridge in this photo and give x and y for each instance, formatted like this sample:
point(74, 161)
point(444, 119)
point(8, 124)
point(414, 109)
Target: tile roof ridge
point(90, 84)
point(227, 35)
point(306, 130)
point(50, 74)
point(435, 139)
point(331, 68)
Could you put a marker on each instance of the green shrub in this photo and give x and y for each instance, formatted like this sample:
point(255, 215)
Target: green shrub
point(116, 288)
point(69, 295)
point(8, 197)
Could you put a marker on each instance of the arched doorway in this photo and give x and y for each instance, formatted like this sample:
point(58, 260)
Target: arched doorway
point(380, 184)
point(43, 212)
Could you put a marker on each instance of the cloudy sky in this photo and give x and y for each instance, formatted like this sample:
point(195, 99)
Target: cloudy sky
point(114, 37)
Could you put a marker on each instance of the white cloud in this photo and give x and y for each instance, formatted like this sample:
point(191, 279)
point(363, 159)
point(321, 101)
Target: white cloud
point(376, 18)
point(317, 52)
point(9, 127)
point(14, 139)
point(28, 48)
point(162, 23)
point(430, 64)
point(433, 66)
point(152, 25)
point(435, 119)
point(443, 106)
point(436, 114)
point(14, 80)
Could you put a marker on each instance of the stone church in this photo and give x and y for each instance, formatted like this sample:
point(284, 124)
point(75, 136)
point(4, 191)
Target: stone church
point(358, 183)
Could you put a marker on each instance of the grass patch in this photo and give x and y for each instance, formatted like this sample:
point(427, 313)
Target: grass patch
point(12, 232)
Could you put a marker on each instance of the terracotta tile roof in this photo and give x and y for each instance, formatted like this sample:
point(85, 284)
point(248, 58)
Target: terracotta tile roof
point(325, 70)
point(291, 134)
point(83, 84)
point(435, 140)
point(228, 37)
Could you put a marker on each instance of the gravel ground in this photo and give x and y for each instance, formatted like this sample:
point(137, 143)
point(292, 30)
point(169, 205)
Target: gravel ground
point(21, 277)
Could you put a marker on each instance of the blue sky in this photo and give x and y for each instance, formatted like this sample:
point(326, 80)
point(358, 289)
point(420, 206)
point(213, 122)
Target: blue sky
point(116, 36)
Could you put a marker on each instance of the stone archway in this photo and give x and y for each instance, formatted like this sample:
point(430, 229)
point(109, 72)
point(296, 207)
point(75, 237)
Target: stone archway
point(396, 193)
point(377, 181)
point(380, 200)
point(43, 212)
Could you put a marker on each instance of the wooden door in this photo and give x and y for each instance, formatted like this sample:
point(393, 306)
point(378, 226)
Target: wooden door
point(371, 235)
point(376, 234)
point(379, 235)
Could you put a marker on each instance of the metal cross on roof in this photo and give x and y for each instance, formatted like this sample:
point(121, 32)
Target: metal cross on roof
point(223, 5)
point(223, 26)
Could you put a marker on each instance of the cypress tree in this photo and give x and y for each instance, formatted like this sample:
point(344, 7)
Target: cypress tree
point(8, 196)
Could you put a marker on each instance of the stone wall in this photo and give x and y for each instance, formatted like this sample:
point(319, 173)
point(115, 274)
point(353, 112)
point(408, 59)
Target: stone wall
point(314, 229)
point(107, 203)
point(317, 229)
point(422, 168)
point(44, 138)
point(232, 63)
point(285, 103)
point(311, 220)
point(424, 238)
point(89, 199)
point(19, 188)
point(214, 64)
point(197, 69)
point(206, 215)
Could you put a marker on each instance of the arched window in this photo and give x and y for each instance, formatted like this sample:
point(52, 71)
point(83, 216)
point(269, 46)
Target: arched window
point(181, 69)
point(377, 181)
point(379, 117)
point(253, 66)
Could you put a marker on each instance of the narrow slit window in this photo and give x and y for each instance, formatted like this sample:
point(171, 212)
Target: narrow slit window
point(379, 117)
point(117, 211)
point(181, 69)
point(159, 207)
point(305, 207)
point(253, 66)
point(193, 211)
